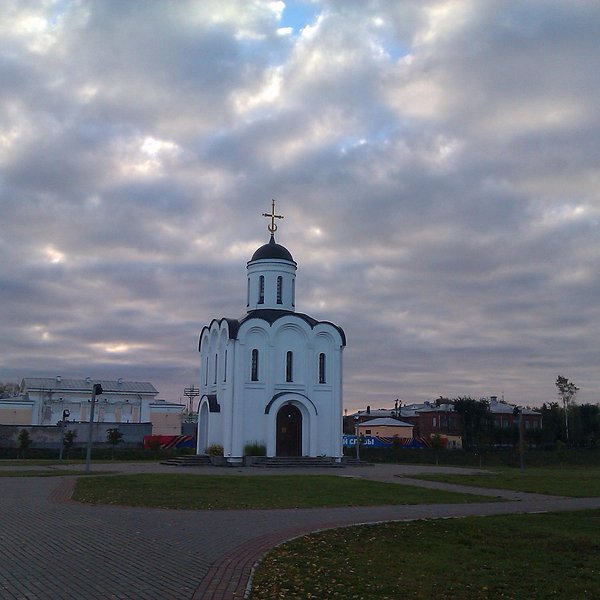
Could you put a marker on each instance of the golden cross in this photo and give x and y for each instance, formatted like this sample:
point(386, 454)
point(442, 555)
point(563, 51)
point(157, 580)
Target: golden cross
point(272, 227)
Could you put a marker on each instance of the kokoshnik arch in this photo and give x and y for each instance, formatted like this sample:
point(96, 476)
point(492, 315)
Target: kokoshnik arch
point(274, 376)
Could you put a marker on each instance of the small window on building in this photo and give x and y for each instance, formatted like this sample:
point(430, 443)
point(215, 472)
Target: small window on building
point(261, 289)
point(206, 373)
point(367, 432)
point(279, 287)
point(434, 421)
point(216, 367)
point(254, 372)
point(289, 366)
point(225, 367)
point(322, 378)
point(248, 293)
point(293, 292)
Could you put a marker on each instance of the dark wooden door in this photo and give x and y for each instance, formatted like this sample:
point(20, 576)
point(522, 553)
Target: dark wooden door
point(289, 431)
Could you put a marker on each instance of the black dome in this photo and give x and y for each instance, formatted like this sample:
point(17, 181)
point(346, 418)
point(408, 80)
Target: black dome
point(272, 250)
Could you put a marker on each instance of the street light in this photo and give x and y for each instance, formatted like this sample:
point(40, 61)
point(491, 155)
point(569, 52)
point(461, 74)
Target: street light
point(66, 414)
point(356, 421)
point(96, 391)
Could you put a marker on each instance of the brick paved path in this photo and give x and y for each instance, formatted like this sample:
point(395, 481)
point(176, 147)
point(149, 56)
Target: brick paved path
point(54, 549)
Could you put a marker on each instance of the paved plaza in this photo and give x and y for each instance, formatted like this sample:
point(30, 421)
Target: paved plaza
point(52, 548)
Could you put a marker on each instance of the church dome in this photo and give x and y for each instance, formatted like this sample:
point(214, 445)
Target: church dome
point(272, 250)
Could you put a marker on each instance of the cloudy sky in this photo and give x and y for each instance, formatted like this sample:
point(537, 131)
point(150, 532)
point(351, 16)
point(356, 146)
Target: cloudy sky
point(437, 164)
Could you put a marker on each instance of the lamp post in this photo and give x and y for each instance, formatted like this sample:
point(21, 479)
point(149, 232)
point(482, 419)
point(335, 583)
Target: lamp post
point(96, 391)
point(357, 438)
point(518, 411)
point(66, 414)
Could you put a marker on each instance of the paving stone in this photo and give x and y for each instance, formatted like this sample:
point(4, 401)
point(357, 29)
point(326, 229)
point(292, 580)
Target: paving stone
point(52, 548)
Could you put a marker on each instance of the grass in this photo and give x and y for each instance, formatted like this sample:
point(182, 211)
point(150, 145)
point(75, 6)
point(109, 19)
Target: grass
point(577, 482)
point(509, 557)
point(256, 491)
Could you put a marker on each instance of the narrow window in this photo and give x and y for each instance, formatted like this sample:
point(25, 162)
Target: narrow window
point(279, 286)
point(289, 366)
point(293, 292)
point(248, 293)
point(206, 373)
point(225, 367)
point(216, 367)
point(322, 378)
point(261, 289)
point(254, 374)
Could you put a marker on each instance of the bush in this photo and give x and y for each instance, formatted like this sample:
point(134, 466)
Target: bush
point(255, 449)
point(215, 450)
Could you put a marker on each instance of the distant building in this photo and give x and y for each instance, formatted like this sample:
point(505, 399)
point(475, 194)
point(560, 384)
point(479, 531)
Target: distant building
point(440, 418)
point(43, 400)
point(384, 427)
point(505, 415)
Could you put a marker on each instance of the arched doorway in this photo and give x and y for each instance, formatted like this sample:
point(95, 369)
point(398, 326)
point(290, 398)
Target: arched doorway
point(289, 431)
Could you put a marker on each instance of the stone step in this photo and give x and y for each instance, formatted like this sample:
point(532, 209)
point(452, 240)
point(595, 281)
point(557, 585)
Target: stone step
point(295, 462)
point(198, 460)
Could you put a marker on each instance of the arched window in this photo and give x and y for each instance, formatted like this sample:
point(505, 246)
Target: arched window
point(293, 292)
point(322, 377)
point(225, 367)
point(261, 289)
point(279, 286)
point(216, 367)
point(254, 370)
point(289, 366)
point(206, 373)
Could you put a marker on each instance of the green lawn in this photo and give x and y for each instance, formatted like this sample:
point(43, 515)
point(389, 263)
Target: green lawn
point(511, 557)
point(573, 481)
point(255, 491)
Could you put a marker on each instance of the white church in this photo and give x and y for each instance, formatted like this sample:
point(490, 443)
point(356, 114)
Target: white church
point(274, 376)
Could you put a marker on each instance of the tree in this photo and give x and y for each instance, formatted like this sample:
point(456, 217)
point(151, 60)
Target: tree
point(566, 391)
point(69, 440)
point(476, 420)
point(8, 389)
point(114, 437)
point(24, 442)
point(436, 446)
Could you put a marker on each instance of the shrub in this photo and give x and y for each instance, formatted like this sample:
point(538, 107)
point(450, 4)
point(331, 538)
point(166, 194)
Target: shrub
point(215, 450)
point(255, 449)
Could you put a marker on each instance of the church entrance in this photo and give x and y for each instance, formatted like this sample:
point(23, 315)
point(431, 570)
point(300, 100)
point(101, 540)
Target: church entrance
point(289, 431)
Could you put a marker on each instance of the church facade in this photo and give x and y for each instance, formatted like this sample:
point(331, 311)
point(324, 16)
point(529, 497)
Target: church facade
point(274, 376)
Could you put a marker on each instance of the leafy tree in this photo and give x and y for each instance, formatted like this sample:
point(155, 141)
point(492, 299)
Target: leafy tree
point(24, 442)
point(69, 440)
point(436, 446)
point(8, 389)
point(476, 421)
point(566, 391)
point(114, 437)
point(553, 423)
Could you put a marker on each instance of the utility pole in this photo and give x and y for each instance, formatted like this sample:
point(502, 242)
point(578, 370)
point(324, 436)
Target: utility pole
point(356, 421)
point(96, 391)
point(518, 411)
point(66, 414)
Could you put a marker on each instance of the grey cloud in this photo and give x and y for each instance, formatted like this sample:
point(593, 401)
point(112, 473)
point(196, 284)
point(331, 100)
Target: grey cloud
point(442, 209)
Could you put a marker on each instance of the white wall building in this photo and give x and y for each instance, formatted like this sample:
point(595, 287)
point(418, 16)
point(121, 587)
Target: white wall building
point(273, 377)
point(42, 401)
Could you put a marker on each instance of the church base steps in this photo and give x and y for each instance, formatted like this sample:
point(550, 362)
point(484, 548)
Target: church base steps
point(198, 460)
point(295, 461)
